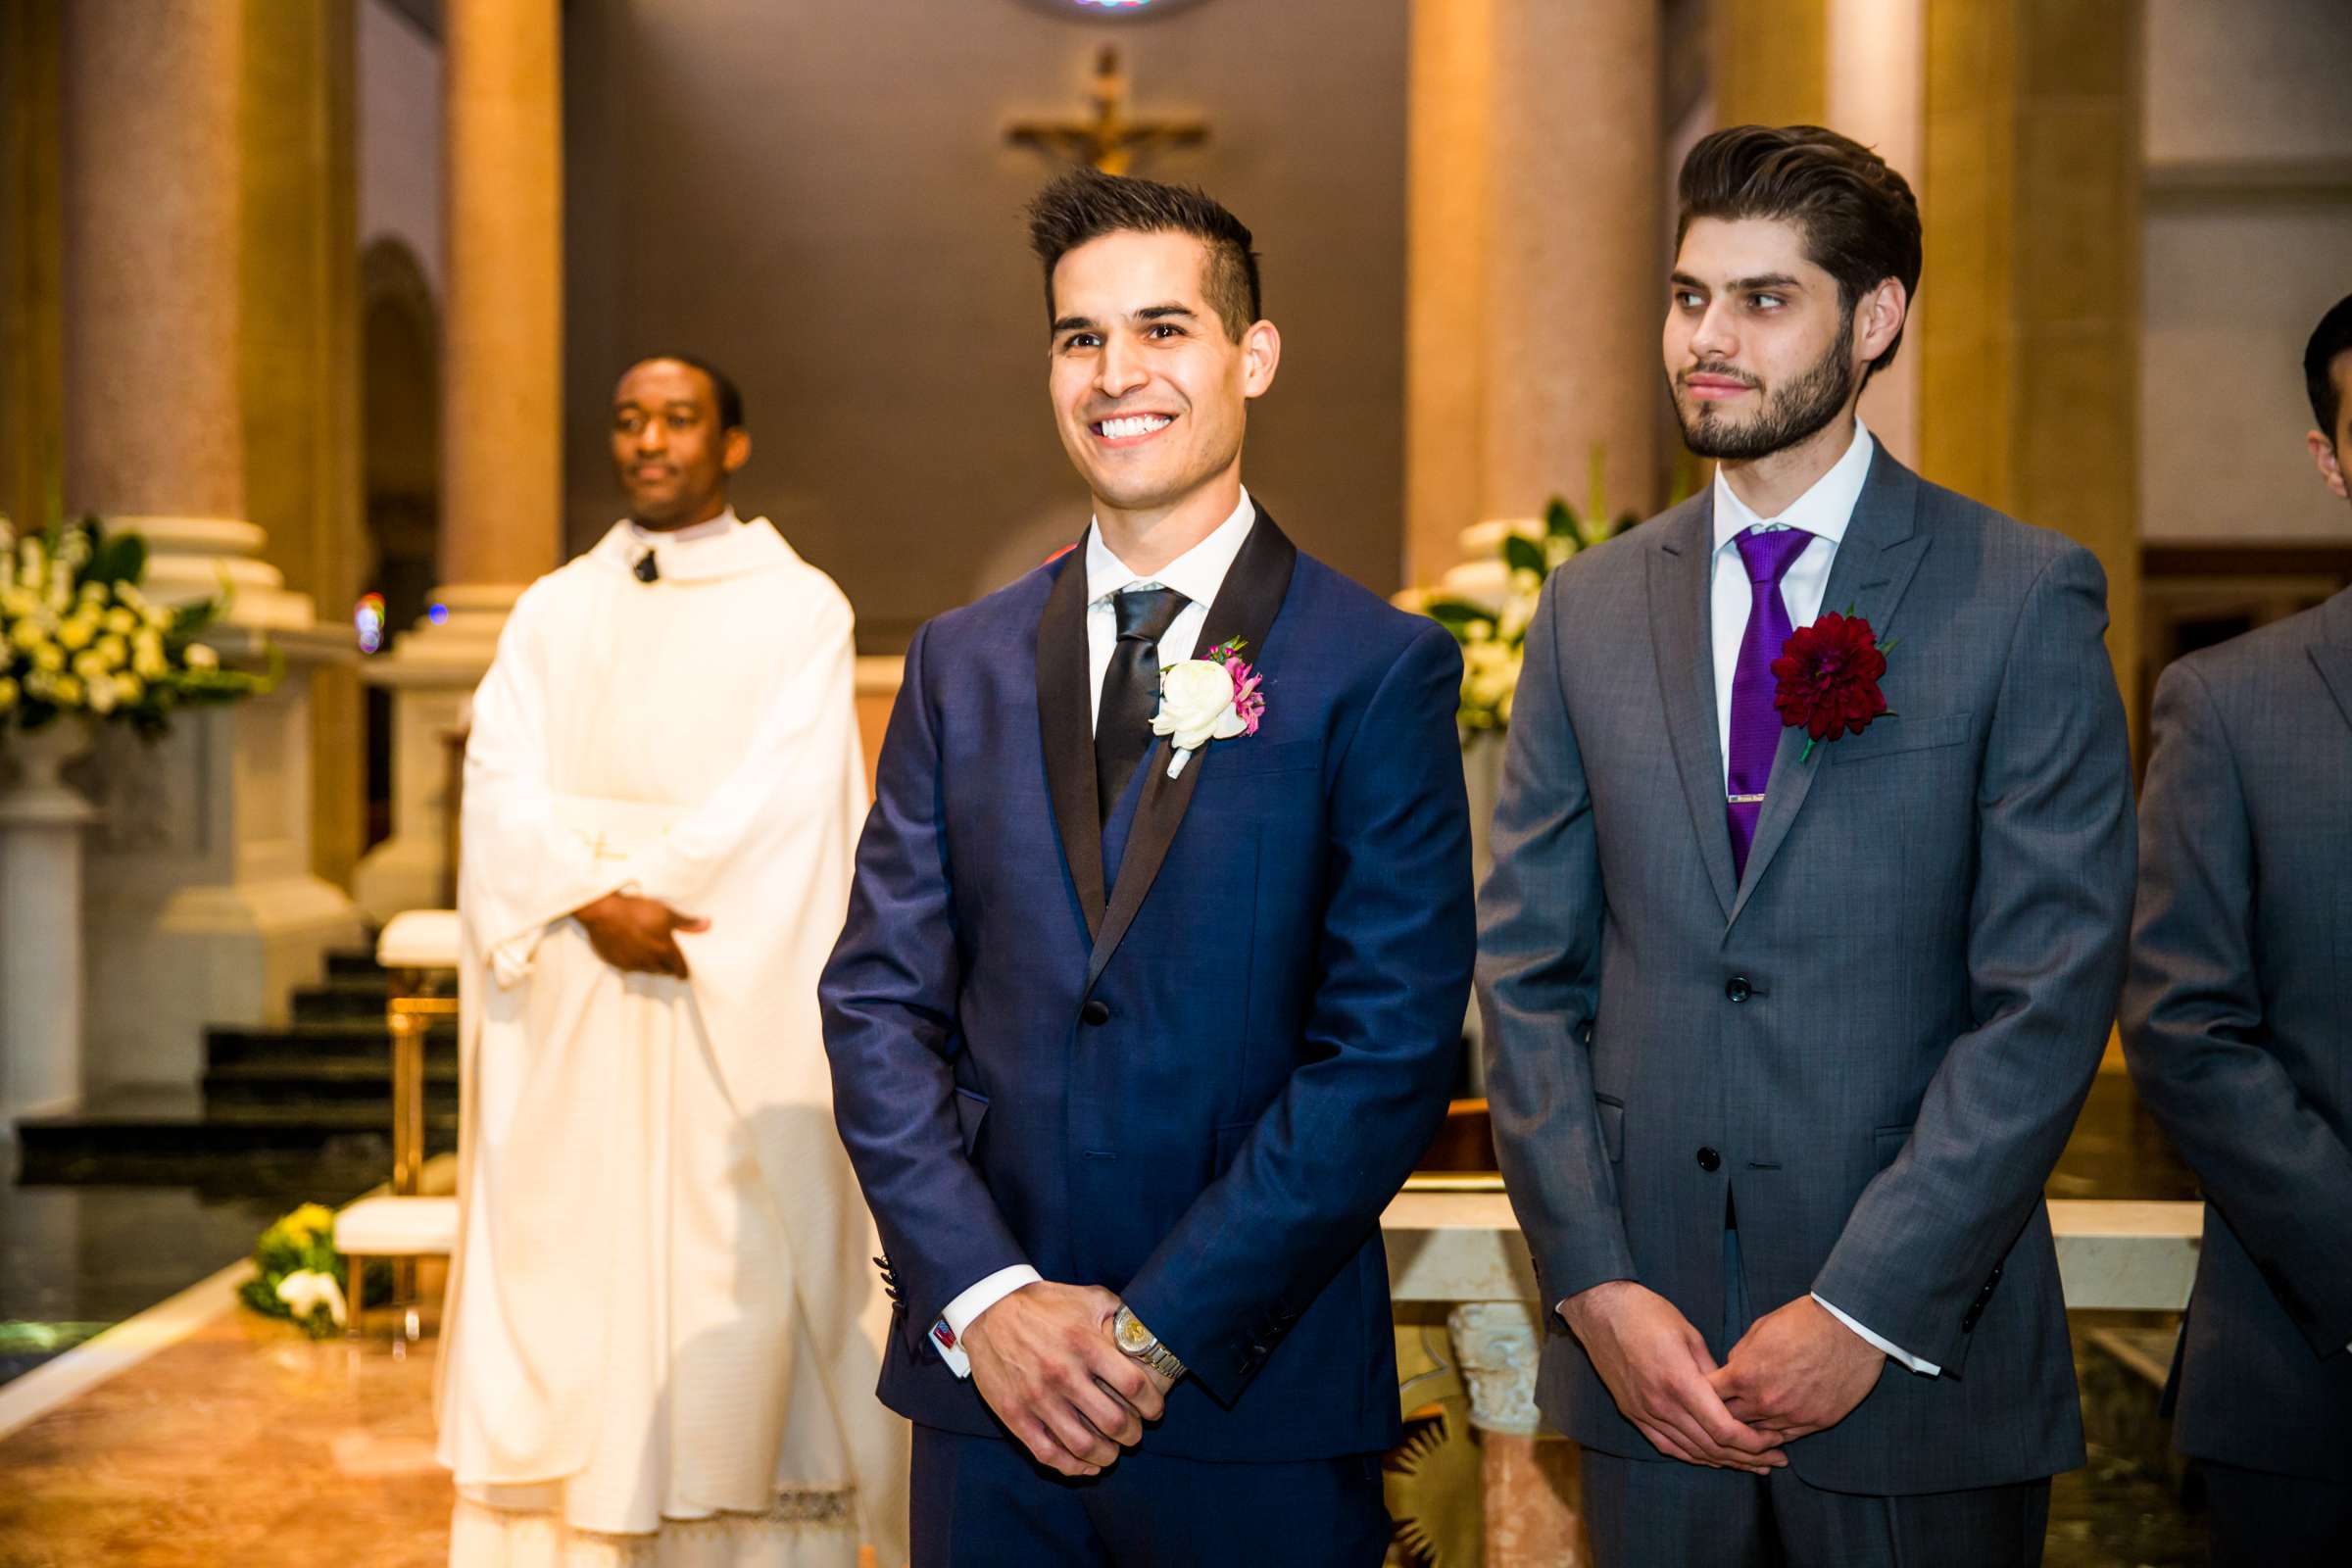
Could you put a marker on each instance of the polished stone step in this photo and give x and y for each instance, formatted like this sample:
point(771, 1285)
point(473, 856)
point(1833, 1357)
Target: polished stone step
point(291, 1079)
point(344, 1040)
point(177, 1136)
point(343, 999)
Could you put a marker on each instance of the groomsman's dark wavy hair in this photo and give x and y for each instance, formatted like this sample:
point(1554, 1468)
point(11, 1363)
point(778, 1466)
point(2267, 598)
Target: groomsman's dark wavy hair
point(2332, 338)
point(1859, 217)
point(1086, 203)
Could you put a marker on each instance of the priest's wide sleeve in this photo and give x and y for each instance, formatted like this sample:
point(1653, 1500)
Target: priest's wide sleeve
point(519, 868)
point(1306, 1189)
point(889, 997)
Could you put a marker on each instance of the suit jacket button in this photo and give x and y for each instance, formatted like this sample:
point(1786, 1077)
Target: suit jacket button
point(1737, 989)
point(1708, 1159)
point(1968, 1319)
point(1096, 1010)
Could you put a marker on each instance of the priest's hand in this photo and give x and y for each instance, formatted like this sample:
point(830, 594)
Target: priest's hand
point(1656, 1366)
point(1043, 1362)
point(638, 936)
point(1797, 1370)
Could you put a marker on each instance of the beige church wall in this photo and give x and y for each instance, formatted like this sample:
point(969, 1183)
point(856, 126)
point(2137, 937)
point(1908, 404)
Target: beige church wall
point(819, 197)
point(2248, 241)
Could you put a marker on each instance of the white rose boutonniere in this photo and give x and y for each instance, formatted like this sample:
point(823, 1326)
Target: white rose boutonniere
point(1214, 698)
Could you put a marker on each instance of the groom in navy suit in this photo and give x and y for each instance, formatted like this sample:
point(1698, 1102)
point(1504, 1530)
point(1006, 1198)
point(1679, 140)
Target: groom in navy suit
point(1152, 982)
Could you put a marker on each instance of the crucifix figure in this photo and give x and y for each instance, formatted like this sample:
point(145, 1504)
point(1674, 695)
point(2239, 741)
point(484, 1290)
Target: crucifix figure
point(1108, 138)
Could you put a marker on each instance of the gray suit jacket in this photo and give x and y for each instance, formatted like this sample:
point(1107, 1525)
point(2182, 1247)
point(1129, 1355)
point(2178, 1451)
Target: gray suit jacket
point(2238, 1020)
point(1879, 1039)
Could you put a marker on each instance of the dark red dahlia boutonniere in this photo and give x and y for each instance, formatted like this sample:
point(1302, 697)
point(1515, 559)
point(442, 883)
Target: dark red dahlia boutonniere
point(1828, 676)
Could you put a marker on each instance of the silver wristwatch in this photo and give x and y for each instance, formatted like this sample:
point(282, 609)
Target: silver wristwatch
point(1141, 1345)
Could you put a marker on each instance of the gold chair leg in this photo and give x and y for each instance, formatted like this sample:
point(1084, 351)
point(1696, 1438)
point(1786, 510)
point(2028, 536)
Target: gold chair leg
point(355, 1297)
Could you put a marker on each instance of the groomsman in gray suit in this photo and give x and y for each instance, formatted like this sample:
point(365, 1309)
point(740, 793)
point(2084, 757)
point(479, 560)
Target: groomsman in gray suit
point(1812, 879)
point(2238, 1023)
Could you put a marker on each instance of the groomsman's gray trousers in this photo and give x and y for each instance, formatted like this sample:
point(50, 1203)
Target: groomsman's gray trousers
point(1645, 1513)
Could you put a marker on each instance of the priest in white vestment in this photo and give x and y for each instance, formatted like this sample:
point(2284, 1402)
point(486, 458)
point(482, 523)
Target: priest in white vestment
point(662, 1333)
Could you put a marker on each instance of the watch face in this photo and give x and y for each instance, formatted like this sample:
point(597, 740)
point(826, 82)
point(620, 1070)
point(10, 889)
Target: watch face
point(1134, 1337)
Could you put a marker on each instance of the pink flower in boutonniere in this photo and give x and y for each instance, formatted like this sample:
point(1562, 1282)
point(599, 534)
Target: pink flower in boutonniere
point(1214, 697)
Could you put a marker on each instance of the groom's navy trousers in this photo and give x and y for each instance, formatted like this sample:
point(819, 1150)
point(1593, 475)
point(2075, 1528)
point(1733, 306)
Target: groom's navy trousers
point(1188, 1054)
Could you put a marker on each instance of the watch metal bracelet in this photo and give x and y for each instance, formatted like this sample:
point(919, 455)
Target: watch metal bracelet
point(1140, 1344)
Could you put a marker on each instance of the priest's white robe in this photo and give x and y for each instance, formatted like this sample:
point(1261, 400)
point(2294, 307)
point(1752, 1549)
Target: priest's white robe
point(662, 1332)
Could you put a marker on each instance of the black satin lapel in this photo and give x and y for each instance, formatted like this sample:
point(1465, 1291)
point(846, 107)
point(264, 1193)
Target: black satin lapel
point(1065, 724)
point(1244, 608)
point(1681, 644)
point(1873, 569)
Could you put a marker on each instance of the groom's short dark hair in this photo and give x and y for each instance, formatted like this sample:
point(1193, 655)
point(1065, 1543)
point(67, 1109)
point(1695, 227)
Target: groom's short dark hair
point(1086, 203)
point(1859, 217)
point(2330, 341)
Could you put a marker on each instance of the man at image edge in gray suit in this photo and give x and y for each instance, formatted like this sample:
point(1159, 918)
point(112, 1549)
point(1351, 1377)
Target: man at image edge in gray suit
point(2238, 1023)
point(1786, 1030)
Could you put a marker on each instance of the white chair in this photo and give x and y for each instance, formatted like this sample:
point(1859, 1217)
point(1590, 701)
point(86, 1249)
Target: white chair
point(419, 948)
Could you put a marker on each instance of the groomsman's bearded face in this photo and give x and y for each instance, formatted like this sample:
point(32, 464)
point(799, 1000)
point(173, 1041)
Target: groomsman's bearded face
point(2332, 448)
point(672, 458)
point(1151, 390)
point(1761, 353)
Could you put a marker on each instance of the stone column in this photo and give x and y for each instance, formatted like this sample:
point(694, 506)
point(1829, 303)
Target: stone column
point(202, 906)
point(299, 355)
point(31, 349)
point(2029, 354)
point(501, 420)
point(1877, 94)
point(1532, 1501)
point(1771, 61)
point(1533, 284)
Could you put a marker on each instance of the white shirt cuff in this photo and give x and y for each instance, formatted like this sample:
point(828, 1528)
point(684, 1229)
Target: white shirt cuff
point(976, 1299)
point(1897, 1352)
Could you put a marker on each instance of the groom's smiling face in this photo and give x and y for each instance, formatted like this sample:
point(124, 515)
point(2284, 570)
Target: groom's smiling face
point(1761, 350)
point(1149, 388)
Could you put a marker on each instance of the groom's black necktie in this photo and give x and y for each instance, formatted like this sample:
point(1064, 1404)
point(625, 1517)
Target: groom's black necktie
point(1131, 687)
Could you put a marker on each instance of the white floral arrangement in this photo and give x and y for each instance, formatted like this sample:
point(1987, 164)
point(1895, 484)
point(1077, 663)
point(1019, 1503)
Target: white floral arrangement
point(1489, 599)
point(79, 638)
point(299, 1276)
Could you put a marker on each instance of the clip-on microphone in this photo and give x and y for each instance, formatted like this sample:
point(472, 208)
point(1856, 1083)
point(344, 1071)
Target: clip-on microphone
point(646, 570)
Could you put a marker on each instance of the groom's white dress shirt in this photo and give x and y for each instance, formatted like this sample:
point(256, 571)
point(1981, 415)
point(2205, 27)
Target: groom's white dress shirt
point(1198, 575)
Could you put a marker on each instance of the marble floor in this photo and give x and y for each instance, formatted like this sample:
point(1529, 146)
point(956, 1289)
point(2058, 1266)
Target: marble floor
point(244, 1443)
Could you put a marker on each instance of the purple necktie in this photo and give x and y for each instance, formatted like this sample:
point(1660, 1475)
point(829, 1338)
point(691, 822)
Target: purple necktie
point(1755, 722)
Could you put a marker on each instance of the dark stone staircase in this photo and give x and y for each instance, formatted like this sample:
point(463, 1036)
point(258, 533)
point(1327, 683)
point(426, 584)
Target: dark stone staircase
point(320, 1085)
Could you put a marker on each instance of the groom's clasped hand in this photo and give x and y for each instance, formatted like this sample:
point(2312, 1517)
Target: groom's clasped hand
point(1043, 1359)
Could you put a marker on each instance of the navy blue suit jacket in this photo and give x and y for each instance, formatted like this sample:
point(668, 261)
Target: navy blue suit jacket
point(1188, 1054)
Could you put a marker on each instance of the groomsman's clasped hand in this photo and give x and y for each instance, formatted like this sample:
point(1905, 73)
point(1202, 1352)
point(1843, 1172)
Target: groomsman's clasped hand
point(1659, 1371)
point(1797, 1371)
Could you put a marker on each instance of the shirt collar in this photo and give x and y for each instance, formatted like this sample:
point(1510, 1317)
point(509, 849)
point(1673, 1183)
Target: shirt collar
point(1196, 574)
point(1823, 511)
point(712, 528)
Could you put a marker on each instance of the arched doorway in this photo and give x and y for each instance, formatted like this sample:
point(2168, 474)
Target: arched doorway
point(400, 410)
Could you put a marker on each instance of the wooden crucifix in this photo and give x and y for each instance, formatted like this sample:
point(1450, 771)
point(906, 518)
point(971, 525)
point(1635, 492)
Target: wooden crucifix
point(1109, 137)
